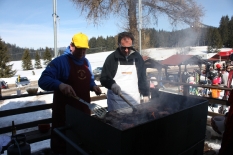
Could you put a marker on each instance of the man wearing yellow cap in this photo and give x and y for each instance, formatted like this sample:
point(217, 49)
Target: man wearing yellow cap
point(68, 75)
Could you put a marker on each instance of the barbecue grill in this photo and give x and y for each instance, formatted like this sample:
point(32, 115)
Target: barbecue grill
point(168, 125)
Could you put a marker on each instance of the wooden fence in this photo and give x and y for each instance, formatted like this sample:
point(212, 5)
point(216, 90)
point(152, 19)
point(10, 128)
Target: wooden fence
point(35, 135)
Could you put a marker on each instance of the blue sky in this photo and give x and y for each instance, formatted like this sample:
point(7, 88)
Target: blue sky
point(29, 23)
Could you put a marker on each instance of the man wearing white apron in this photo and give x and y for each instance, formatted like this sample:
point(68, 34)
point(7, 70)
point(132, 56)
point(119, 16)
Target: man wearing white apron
point(124, 73)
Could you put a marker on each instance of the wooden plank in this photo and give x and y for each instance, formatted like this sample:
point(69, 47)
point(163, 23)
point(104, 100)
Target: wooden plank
point(211, 100)
point(214, 114)
point(28, 95)
point(96, 98)
point(215, 100)
point(194, 85)
point(36, 136)
point(25, 125)
point(25, 110)
point(25, 95)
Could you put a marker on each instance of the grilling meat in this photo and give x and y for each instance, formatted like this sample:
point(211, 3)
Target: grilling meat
point(127, 118)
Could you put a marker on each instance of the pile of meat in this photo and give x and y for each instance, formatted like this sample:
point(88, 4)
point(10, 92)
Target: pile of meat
point(127, 118)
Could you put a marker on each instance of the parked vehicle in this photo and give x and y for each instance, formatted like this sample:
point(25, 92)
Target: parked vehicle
point(4, 84)
point(98, 70)
point(97, 77)
point(23, 81)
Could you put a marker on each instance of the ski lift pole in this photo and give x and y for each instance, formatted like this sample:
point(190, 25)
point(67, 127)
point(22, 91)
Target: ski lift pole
point(140, 24)
point(55, 26)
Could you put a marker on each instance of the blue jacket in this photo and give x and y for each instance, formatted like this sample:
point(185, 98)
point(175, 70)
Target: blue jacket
point(58, 70)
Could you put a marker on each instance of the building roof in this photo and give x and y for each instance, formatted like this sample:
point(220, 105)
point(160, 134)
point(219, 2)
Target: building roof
point(151, 63)
point(222, 55)
point(217, 57)
point(175, 60)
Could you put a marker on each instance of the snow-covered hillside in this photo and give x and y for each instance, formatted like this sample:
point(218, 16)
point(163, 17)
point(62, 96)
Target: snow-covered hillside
point(97, 59)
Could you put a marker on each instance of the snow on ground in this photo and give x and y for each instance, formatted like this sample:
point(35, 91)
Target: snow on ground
point(96, 60)
point(27, 117)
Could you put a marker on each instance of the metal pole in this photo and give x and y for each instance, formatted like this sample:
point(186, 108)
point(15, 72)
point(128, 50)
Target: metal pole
point(68, 140)
point(55, 26)
point(140, 24)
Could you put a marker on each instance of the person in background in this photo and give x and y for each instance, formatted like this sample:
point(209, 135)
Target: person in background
point(0, 90)
point(227, 139)
point(185, 76)
point(228, 68)
point(124, 73)
point(152, 82)
point(214, 91)
point(225, 75)
point(218, 67)
point(68, 75)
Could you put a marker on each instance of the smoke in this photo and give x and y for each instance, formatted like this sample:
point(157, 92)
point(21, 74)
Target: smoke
point(189, 38)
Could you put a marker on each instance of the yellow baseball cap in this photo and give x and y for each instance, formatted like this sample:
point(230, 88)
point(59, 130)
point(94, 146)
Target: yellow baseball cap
point(80, 40)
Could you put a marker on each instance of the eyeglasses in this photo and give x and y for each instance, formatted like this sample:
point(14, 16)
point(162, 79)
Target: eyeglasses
point(228, 68)
point(124, 48)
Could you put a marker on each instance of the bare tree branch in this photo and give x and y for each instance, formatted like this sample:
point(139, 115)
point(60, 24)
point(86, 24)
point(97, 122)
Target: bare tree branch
point(186, 11)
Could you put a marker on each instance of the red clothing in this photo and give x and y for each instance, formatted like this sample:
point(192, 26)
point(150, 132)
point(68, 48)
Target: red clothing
point(227, 140)
point(79, 79)
point(217, 80)
point(227, 93)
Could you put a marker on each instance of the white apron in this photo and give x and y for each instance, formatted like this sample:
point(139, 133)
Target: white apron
point(126, 77)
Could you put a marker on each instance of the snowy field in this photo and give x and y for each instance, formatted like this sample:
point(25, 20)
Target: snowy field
point(96, 60)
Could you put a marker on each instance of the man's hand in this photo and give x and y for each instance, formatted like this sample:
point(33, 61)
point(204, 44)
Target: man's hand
point(116, 89)
point(145, 99)
point(97, 90)
point(67, 89)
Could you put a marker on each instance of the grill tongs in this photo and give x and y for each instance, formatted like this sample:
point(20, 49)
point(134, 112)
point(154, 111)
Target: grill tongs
point(95, 108)
point(130, 104)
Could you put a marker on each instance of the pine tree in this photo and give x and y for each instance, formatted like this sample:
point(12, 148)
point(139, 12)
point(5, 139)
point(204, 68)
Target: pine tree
point(223, 29)
point(153, 34)
point(5, 68)
point(92, 45)
point(47, 56)
point(37, 61)
point(100, 43)
point(110, 43)
point(26, 60)
point(230, 29)
point(214, 40)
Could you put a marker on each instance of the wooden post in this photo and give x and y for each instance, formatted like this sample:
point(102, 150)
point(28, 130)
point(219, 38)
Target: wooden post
point(166, 73)
point(180, 73)
point(159, 73)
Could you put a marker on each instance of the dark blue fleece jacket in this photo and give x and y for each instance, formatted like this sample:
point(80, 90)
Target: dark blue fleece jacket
point(58, 70)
